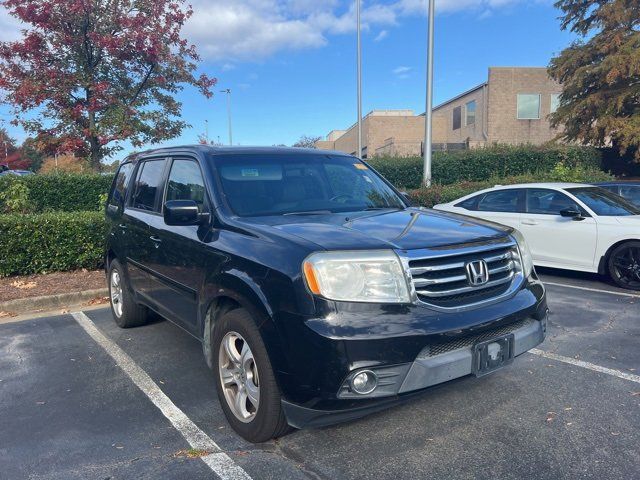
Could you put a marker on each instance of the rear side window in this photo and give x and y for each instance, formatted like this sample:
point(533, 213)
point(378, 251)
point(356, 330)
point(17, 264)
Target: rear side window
point(469, 203)
point(508, 201)
point(148, 185)
point(120, 185)
point(186, 182)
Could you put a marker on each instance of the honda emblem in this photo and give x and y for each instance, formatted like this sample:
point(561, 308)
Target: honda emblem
point(477, 272)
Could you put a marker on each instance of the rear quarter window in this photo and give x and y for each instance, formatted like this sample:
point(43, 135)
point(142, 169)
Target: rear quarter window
point(120, 185)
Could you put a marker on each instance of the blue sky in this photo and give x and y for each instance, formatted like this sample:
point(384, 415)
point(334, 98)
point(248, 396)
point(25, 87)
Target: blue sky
point(291, 63)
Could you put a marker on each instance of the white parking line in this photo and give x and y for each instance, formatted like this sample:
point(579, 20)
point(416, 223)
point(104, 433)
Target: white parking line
point(599, 290)
point(590, 366)
point(218, 461)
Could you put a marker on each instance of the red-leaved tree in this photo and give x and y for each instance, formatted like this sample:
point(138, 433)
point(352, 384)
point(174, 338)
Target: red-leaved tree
point(93, 72)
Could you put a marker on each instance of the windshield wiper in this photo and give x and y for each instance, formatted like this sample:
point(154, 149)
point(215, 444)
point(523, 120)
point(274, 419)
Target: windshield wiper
point(310, 212)
point(370, 209)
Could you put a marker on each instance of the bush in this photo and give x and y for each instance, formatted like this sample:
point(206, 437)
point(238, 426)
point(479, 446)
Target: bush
point(14, 197)
point(484, 163)
point(58, 241)
point(428, 197)
point(65, 192)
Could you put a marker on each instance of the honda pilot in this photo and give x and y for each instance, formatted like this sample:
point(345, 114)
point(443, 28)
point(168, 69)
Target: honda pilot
point(318, 292)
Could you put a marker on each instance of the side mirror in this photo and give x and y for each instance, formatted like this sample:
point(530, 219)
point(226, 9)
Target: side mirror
point(572, 212)
point(183, 212)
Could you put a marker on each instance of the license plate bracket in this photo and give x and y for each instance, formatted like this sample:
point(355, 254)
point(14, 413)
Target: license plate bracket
point(492, 355)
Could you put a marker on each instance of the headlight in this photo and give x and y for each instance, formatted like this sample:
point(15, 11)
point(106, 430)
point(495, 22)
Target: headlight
point(368, 276)
point(525, 253)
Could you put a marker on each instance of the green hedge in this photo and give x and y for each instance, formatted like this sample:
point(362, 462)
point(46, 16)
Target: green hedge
point(428, 197)
point(484, 163)
point(61, 191)
point(56, 241)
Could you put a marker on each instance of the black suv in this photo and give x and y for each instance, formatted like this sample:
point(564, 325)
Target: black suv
point(319, 294)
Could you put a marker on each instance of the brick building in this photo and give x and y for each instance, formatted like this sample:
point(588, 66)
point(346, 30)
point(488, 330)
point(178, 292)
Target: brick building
point(512, 107)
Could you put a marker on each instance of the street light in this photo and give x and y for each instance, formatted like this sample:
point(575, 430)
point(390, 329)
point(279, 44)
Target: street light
point(359, 79)
point(429, 110)
point(228, 92)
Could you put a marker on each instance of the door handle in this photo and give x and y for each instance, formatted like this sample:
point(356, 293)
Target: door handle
point(122, 226)
point(155, 239)
point(529, 222)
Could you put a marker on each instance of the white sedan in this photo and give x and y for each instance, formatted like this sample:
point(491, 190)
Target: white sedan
point(567, 225)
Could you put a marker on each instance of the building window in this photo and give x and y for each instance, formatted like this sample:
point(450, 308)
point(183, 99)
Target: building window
point(471, 113)
point(457, 118)
point(528, 106)
point(555, 102)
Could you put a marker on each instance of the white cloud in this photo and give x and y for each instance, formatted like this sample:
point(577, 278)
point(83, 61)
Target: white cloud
point(402, 72)
point(381, 36)
point(229, 31)
point(9, 27)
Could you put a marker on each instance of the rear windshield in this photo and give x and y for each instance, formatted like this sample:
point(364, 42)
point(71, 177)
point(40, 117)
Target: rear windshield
point(604, 203)
point(275, 185)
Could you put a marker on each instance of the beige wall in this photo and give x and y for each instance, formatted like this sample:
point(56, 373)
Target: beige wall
point(504, 86)
point(400, 132)
point(382, 134)
point(443, 117)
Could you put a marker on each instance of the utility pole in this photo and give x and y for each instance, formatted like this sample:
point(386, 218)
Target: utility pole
point(428, 120)
point(359, 80)
point(228, 92)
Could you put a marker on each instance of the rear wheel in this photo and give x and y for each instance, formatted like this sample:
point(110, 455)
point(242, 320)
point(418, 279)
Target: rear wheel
point(245, 382)
point(126, 312)
point(624, 265)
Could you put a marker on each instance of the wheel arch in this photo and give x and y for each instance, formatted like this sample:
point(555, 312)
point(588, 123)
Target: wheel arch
point(604, 260)
point(227, 292)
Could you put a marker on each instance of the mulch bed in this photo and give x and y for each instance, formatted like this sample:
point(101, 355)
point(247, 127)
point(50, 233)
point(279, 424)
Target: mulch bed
point(50, 284)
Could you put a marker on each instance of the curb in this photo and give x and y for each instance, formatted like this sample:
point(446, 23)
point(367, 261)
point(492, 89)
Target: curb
point(51, 302)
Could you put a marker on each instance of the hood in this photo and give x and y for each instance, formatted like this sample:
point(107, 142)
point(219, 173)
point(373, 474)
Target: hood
point(408, 229)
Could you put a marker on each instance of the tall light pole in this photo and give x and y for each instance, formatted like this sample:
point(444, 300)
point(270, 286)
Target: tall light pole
point(228, 92)
point(359, 80)
point(428, 120)
point(206, 131)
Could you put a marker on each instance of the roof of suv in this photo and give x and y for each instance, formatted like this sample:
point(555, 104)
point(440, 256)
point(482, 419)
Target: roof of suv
point(235, 150)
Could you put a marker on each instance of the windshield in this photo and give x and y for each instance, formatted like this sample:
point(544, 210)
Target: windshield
point(604, 203)
point(258, 185)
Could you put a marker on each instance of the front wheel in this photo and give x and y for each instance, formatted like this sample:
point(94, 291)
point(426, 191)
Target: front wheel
point(624, 265)
point(245, 382)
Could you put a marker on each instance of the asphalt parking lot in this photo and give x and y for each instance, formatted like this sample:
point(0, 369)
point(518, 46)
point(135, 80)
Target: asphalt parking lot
point(82, 399)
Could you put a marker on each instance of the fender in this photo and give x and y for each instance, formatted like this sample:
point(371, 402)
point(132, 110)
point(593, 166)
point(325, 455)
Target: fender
point(243, 290)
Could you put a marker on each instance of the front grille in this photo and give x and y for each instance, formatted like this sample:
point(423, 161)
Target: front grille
point(469, 340)
point(442, 281)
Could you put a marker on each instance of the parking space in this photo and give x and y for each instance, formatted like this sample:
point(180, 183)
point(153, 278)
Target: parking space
point(71, 409)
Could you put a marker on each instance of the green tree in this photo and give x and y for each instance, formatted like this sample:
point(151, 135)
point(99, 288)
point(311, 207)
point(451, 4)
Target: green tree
point(600, 74)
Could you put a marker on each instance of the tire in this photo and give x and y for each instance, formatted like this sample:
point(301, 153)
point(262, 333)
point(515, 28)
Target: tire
point(126, 312)
point(250, 373)
point(624, 265)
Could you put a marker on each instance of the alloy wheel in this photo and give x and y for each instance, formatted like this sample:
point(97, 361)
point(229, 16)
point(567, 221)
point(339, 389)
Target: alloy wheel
point(626, 264)
point(116, 293)
point(239, 377)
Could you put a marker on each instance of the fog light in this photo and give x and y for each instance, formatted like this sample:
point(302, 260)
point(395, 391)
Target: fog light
point(364, 382)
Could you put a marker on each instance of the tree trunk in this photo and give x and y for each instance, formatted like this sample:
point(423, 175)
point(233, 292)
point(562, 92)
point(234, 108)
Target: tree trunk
point(95, 149)
point(95, 152)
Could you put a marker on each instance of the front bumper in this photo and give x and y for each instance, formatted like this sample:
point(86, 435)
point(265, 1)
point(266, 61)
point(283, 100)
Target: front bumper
point(434, 365)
